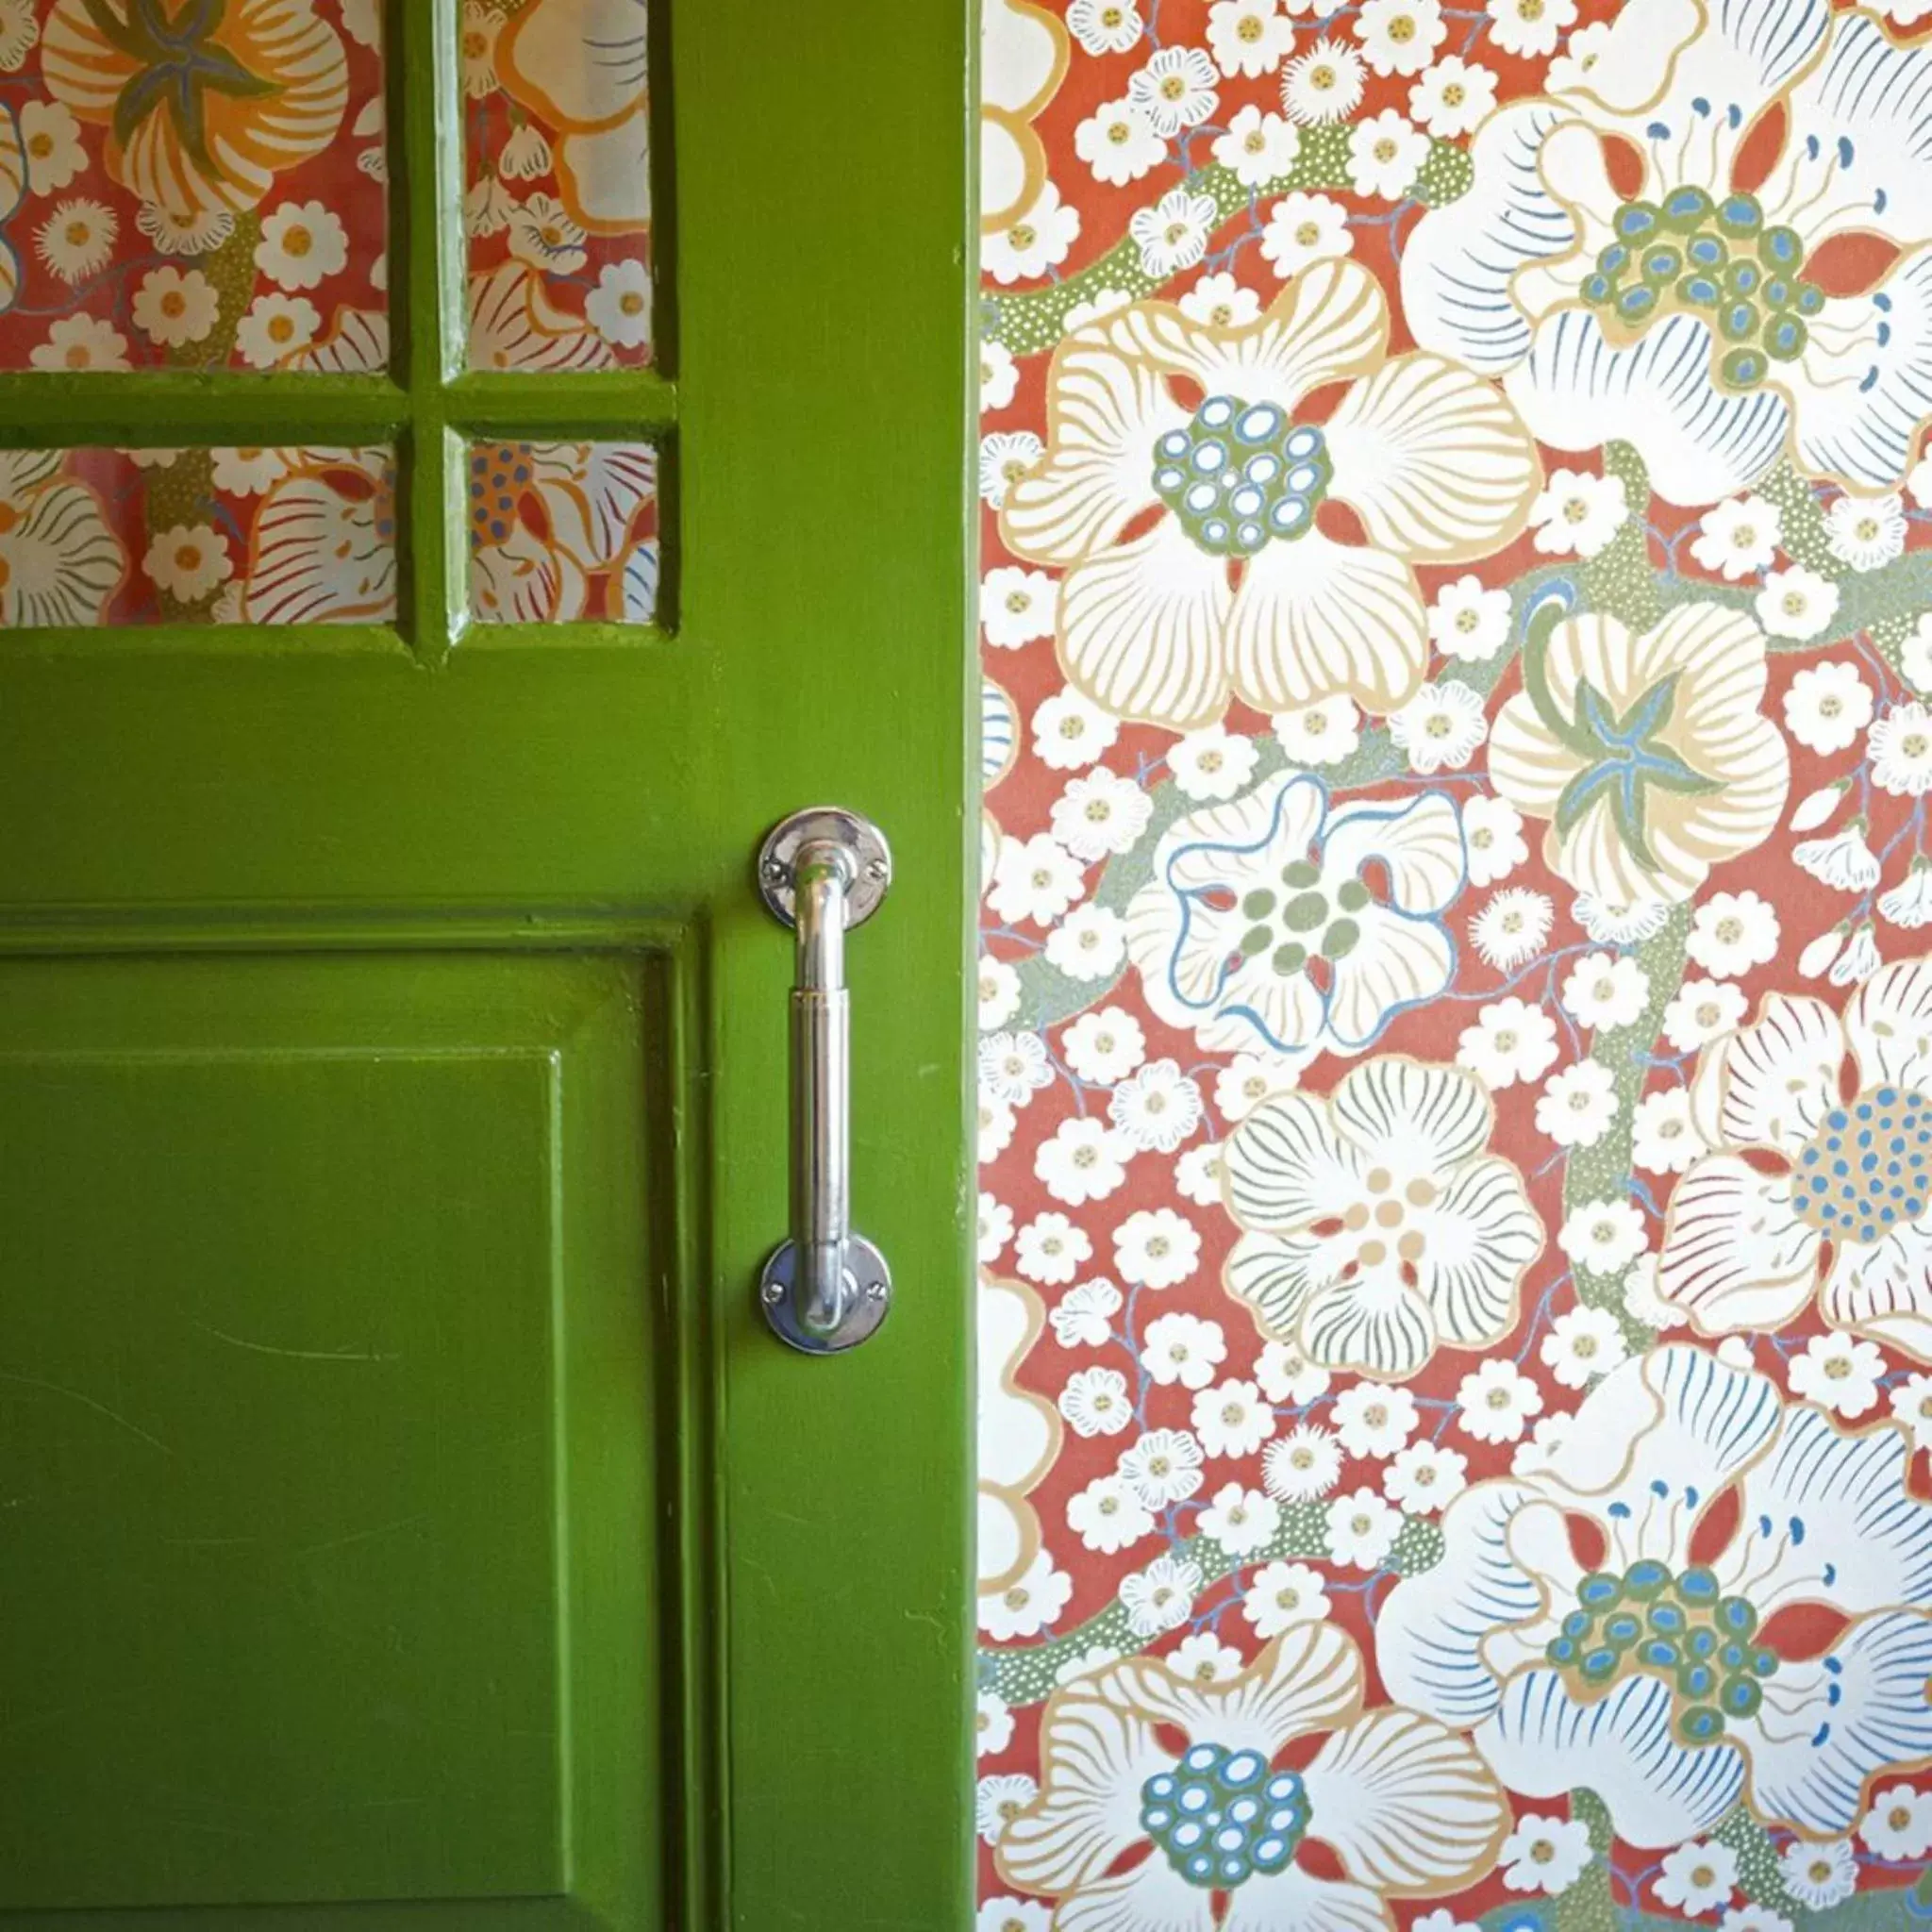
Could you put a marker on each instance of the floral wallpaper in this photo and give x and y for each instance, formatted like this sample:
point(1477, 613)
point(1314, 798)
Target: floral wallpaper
point(563, 530)
point(557, 123)
point(203, 185)
point(215, 536)
point(193, 184)
point(1456, 1066)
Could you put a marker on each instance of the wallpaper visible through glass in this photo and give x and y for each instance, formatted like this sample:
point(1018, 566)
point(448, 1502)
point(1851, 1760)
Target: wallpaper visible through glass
point(192, 185)
point(197, 536)
point(1456, 1068)
point(556, 109)
point(560, 531)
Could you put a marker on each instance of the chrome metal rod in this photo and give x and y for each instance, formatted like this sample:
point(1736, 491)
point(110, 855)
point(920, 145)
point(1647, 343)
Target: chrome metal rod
point(825, 1287)
point(822, 1087)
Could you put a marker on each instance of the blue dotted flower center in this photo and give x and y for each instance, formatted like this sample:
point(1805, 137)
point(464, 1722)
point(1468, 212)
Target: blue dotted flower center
point(1674, 1626)
point(1242, 475)
point(1869, 1168)
point(1718, 261)
point(499, 474)
point(1220, 1816)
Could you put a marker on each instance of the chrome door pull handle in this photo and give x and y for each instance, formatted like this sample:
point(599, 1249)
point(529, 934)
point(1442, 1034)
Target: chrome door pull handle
point(827, 1289)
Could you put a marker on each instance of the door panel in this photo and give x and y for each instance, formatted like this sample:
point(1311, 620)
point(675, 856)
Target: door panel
point(327, 1408)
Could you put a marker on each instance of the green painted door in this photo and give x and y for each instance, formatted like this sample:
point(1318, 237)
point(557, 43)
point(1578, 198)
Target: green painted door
point(405, 1519)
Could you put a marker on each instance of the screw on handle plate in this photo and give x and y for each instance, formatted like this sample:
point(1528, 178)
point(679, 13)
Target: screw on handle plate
point(867, 1302)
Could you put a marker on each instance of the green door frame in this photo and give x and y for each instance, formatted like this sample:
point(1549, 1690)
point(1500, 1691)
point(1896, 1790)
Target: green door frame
point(437, 786)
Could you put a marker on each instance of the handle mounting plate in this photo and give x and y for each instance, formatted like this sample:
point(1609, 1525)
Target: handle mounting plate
point(871, 862)
point(868, 1299)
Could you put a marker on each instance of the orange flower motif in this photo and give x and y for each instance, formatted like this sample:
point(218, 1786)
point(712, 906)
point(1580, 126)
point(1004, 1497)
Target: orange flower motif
point(1024, 59)
point(582, 67)
point(205, 101)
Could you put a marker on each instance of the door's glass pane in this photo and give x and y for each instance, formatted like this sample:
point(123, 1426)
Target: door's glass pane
point(557, 104)
point(197, 535)
point(192, 186)
point(560, 531)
